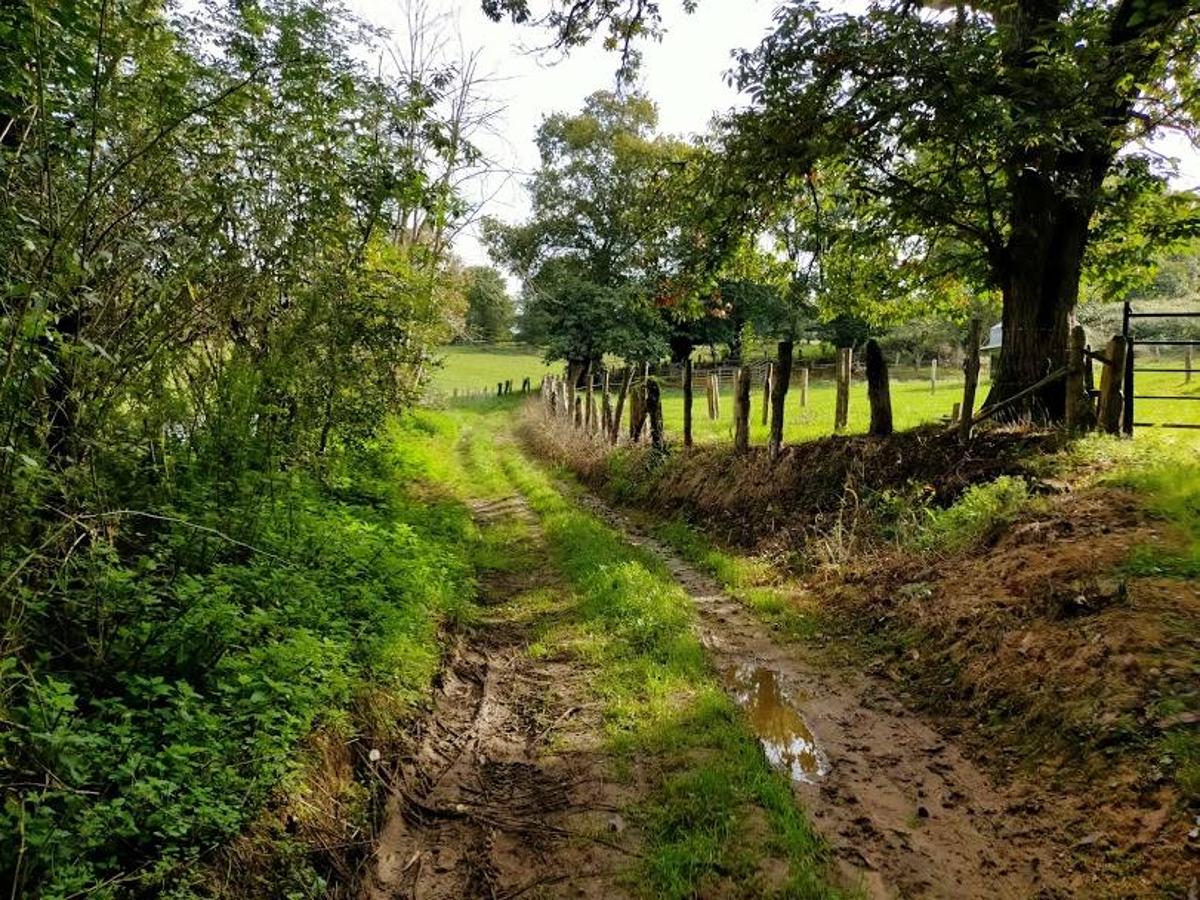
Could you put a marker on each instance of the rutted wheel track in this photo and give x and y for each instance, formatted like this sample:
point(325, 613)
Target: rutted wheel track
point(905, 811)
point(501, 795)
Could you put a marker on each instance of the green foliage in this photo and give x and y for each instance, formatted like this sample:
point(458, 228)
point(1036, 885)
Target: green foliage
point(222, 247)
point(165, 676)
point(980, 510)
point(587, 256)
point(490, 310)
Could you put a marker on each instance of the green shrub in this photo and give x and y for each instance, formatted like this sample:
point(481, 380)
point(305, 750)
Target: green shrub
point(981, 509)
point(166, 678)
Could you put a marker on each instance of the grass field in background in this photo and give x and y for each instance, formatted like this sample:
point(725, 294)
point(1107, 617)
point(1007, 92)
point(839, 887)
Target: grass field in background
point(478, 367)
point(913, 403)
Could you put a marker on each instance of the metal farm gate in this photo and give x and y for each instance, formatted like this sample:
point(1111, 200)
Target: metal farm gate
point(1131, 369)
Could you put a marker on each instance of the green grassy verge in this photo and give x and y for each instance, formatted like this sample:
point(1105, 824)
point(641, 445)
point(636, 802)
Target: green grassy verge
point(717, 811)
point(775, 599)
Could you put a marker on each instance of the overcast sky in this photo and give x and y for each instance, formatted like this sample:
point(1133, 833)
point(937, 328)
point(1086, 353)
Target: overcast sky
point(684, 74)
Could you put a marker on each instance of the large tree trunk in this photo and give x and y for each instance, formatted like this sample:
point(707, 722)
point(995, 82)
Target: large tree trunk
point(1040, 284)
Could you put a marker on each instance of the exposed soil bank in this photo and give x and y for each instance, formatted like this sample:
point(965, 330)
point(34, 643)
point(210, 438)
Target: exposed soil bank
point(747, 499)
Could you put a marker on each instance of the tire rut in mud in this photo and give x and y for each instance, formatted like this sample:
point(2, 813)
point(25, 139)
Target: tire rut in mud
point(904, 810)
point(503, 793)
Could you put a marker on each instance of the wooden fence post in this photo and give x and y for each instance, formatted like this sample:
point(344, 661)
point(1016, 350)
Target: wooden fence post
point(804, 387)
point(768, 386)
point(1076, 396)
point(716, 395)
point(687, 403)
point(572, 382)
point(654, 412)
point(708, 395)
point(970, 378)
point(590, 403)
point(626, 381)
point(741, 410)
point(637, 412)
point(563, 408)
point(1187, 365)
point(606, 410)
point(782, 376)
point(956, 411)
point(878, 391)
point(933, 375)
point(1111, 378)
point(841, 413)
point(499, 388)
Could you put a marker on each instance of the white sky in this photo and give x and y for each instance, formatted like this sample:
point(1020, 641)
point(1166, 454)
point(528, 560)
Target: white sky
point(684, 75)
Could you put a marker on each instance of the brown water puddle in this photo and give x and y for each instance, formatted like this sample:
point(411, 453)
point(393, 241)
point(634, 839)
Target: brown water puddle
point(786, 738)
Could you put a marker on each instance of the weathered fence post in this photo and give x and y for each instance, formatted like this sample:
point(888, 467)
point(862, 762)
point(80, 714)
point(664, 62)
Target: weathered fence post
point(781, 378)
point(572, 383)
point(1076, 394)
point(933, 375)
point(626, 380)
point(563, 407)
point(637, 412)
point(1111, 401)
point(708, 395)
point(687, 403)
point(716, 395)
point(970, 378)
point(956, 411)
point(588, 419)
point(804, 387)
point(741, 410)
point(878, 391)
point(768, 386)
point(526, 385)
point(606, 403)
point(499, 388)
point(841, 413)
point(654, 412)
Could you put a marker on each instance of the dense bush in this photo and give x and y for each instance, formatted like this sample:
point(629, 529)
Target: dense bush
point(167, 673)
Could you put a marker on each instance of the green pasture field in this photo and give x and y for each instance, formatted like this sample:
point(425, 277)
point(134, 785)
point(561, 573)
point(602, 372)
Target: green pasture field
point(478, 367)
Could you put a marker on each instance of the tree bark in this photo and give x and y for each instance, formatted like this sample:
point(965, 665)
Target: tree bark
point(879, 393)
point(779, 390)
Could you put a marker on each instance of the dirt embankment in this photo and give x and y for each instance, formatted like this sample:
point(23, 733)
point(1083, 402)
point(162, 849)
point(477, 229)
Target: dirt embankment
point(1070, 678)
point(747, 500)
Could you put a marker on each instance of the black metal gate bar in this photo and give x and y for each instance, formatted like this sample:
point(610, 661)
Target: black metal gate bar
point(1128, 314)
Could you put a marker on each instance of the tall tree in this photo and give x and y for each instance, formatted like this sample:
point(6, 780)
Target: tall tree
point(587, 253)
point(1000, 140)
point(490, 310)
point(991, 135)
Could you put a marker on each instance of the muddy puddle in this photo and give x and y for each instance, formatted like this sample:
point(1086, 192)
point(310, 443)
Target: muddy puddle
point(786, 739)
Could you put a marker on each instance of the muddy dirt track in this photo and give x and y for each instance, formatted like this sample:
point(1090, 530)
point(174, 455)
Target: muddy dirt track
point(905, 812)
point(506, 792)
